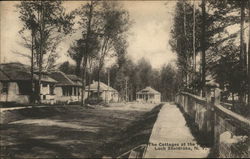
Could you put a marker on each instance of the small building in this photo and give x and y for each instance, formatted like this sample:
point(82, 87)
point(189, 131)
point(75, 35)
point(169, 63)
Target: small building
point(16, 85)
point(107, 93)
point(68, 88)
point(148, 95)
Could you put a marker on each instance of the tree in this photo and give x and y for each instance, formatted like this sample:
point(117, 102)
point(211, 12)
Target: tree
point(168, 82)
point(219, 16)
point(50, 23)
point(242, 49)
point(203, 46)
point(115, 22)
point(87, 47)
point(248, 73)
point(30, 25)
point(102, 23)
point(182, 38)
point(66, 67)
point(145, 70)
point(120, 47)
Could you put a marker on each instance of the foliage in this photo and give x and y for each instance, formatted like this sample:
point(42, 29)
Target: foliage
point(67, 68)
point(47, 23)
point(222, 47)
point(140, 75)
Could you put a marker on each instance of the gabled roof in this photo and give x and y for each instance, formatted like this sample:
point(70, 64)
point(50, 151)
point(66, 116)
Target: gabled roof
point(3, 77)
point(74, 78)
point(15, 71)
point(46, 78)
point(77, 80)
point(63, 79)
point(103, 87)
point(20, 72)
point(148, 90)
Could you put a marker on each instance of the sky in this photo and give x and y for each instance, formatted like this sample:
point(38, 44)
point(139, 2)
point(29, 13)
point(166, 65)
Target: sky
point(148, 36)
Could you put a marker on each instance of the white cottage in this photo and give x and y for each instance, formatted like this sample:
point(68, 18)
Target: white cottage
point(107, 93)
point(16, 85)
point(68, 88)
point(148, 95)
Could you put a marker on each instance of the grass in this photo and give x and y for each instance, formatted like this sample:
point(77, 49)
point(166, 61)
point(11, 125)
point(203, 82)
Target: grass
point(74, 131)
point(135, 134)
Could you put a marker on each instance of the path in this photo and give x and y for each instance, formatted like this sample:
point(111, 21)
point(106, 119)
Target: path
point(170, 129)
point(16, 108)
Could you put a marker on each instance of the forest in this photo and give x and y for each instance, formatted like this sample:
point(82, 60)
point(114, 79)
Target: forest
point(104, 28)
point(210, 38)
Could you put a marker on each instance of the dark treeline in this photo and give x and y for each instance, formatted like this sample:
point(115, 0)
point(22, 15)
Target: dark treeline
point(209, 52)
point(103, 26)
point(134, 77)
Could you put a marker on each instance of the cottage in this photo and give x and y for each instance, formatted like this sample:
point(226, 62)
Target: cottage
point(148, 95)
point(68, 87)
point(107, 93)
point(16, 85)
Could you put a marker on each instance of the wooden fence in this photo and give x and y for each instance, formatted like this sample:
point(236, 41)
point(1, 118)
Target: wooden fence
point(227, 132)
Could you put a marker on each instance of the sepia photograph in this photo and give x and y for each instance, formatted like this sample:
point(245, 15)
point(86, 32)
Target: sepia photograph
point(124, 79)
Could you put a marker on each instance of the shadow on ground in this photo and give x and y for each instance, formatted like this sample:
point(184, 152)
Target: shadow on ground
point(203, 139)
point(135, 134)
point(73, 132)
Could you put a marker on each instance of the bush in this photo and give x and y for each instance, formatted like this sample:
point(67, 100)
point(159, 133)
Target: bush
point(94, 100)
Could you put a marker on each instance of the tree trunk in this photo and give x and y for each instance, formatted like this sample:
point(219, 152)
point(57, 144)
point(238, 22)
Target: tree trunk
point(32, 67)
point(90, 77)
point(248, 73)
point(40, 52)
point(86, 51)
point(233, 100)
point(184, 44)
point(242, 19)
point(203, 47)
point(98, 85)
point(84, 72)
point(194, 51)
point(78, 68)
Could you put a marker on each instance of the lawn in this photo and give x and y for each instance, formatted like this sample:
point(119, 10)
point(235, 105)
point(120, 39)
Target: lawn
point(74, 131)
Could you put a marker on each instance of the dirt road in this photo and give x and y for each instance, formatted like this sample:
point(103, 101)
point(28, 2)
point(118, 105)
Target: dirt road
point(75, 132)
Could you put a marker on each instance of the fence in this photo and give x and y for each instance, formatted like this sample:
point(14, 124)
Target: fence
point(228, 131)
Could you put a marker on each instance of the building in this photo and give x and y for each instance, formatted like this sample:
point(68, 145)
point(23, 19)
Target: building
point(107, 93)
point(148, 95)
point(68, 87)
point(56, 87)
point(16, 85)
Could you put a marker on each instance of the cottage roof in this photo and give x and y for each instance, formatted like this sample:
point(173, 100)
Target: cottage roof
point(63, 79)
point(148, 90)
point(74, 78)
point(20, 72)
point(103, 87)
point(3, 77)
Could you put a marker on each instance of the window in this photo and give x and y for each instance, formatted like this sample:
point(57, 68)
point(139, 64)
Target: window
point(25, 88)
point(70, 91)
point(5, 87)
point(64, 91)
point(67, 91)
point(75, 91)
point(51, 90)
point(79, 93)
point(44, 84)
